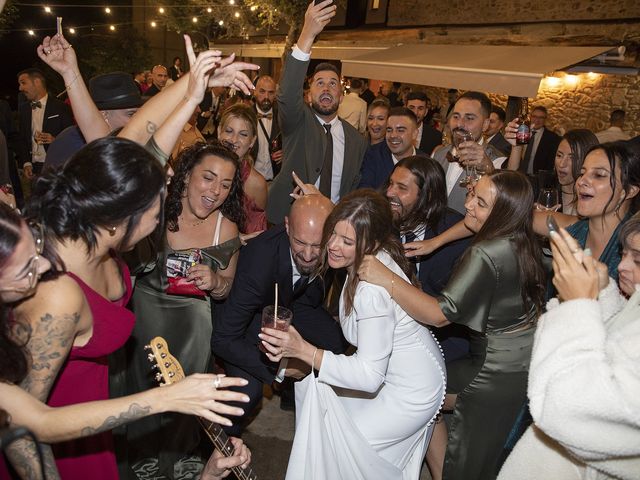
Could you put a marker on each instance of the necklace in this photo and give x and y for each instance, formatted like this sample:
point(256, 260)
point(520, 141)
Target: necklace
point(195, 224)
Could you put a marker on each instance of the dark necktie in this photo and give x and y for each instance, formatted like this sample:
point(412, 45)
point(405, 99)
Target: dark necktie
point(300, 285)
point(327, 165)
point(527, 153)
point(35, 105)
point(268, 116)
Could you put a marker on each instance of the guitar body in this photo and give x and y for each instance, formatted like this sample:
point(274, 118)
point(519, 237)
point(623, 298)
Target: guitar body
point(170, 371)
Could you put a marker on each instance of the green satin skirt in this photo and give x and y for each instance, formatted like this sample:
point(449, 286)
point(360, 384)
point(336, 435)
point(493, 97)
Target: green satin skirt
point(492, 387)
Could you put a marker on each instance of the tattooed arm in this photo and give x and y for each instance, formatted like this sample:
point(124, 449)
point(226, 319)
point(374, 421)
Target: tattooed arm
point(195, 395)
point(49, 322)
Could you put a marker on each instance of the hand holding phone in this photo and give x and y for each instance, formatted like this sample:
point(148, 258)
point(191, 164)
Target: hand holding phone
point(552, 225)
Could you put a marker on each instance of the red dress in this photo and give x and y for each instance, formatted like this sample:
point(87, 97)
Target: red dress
point(85, 377)
point(255, 218)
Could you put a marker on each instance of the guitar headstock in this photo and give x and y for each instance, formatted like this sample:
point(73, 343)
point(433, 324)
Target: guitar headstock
point(169, 369)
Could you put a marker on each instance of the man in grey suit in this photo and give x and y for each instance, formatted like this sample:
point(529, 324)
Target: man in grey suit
point(470, 112)
point(320, 147)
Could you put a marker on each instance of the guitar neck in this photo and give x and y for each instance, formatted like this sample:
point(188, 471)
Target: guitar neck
point(223, 444)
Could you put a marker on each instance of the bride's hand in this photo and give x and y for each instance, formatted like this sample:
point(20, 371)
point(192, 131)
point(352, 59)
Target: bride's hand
point(281, 344)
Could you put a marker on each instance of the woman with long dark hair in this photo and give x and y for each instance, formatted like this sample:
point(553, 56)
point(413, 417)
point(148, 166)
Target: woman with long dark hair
point(387, 394)
point(570, 156)
point(497, 291)
point(105, 199)
point(191, 266)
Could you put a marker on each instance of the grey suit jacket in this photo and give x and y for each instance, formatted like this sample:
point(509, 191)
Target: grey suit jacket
point(458, 195)
point(304, 142)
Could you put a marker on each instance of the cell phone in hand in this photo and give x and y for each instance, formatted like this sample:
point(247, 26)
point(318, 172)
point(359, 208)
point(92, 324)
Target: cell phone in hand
point(316, 2)
point(552, 225)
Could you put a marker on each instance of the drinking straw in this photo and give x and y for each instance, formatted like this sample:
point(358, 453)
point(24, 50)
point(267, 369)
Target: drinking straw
point(275, 310)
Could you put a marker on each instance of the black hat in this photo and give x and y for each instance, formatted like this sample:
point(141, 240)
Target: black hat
point(115, 90)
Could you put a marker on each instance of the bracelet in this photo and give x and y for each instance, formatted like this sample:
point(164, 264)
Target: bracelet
point(393, 275)
point(68, 87)
point(221, 289)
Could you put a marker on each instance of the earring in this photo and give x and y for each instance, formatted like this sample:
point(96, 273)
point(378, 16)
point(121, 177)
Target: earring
point(112, 231)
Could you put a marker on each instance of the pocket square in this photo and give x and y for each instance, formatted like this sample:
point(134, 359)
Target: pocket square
point(53, 116)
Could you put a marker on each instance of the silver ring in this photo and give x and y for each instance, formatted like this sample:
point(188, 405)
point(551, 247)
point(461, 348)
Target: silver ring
point(216, 382)
point(47, 51)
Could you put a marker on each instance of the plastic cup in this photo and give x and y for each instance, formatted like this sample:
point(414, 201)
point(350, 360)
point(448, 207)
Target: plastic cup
point(269, 320)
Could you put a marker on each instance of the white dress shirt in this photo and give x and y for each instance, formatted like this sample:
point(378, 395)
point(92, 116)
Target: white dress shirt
point(38, 153)
point(263, 160)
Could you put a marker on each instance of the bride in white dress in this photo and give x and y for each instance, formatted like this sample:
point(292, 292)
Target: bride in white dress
point(369, 415)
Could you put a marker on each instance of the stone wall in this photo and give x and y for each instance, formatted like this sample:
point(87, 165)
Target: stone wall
point(451, 12)
point(577, 101)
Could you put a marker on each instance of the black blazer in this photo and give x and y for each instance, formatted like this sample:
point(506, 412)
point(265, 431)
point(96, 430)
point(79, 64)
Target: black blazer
point(545, 154)
point(501, 144)
point(275, 131)
point(263, 262)
point(57, 117)
point(377, 165)
point(430, 139)
point(436, 268)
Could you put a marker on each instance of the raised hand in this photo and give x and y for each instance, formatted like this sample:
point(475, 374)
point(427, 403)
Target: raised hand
point(575, 274)
point(229, 74)
point(315, 19)
point(58, 54)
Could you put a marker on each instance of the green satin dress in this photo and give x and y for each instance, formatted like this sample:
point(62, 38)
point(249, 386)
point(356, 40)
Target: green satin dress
point(491, 382)
point(166, 446)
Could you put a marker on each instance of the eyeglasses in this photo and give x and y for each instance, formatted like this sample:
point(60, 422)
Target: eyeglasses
point(32, 267)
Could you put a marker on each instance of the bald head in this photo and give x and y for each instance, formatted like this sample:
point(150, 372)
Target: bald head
point(265, 93)
point(304, 226)
point(160, 76)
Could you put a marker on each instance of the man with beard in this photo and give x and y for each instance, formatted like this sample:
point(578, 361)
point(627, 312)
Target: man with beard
point(402, 132)
point(267, 151)
point(417, 193)
point(287, 256)
point(471, 113)
point(320, 147)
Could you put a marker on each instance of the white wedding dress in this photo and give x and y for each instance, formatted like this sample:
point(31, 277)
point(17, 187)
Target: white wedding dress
point(370, 415)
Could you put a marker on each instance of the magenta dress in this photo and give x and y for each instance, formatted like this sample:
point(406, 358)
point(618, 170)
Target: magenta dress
point(85, 378)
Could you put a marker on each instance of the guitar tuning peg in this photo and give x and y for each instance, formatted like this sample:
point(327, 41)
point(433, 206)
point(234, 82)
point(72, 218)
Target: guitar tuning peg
point(155, 366)
point(151, 357)
point(158, 377)
point(167, 364)
point(163, 355)
point(171, 374)
point(147, 347)
point(159, 346)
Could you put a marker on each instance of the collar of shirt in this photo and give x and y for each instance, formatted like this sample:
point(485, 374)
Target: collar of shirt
point(43, 101)
point(396, 159)
point(296, 274)
point(332, 122)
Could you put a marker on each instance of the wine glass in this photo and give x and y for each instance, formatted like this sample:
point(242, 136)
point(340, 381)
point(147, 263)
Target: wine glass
point(40, 151)
point(459, 136)
point(548, 200)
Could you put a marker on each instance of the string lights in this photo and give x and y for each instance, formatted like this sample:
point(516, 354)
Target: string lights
point(110, 9)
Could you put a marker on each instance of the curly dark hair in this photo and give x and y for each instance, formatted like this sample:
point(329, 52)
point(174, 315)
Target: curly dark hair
point(231, 208)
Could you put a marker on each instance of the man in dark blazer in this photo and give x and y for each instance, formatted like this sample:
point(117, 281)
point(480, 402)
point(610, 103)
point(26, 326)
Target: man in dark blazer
point(267, 151)
point(428, 137)
point(417, 193)
point(40, 119)
point(318, 146)
point(540, 153)
point(493, 134)
point(379, 159)
point(286, 255)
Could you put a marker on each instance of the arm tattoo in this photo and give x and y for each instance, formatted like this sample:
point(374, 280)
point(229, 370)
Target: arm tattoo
point(134, 412)
point(24, 458)
point(151, 127)
point(48, 342)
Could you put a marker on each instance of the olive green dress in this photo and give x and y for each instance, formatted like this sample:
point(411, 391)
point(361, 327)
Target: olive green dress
point(491, 383)
point(167, 446)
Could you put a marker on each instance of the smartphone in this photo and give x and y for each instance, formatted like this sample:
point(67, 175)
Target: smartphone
point(552, 225)
point(59, 25)
point(316, 2)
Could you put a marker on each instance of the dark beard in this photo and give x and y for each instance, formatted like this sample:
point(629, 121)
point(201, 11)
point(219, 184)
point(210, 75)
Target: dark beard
point(265, 105)
point(330, 110)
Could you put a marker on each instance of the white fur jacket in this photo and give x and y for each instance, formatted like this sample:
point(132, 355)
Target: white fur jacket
point(584, 393)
